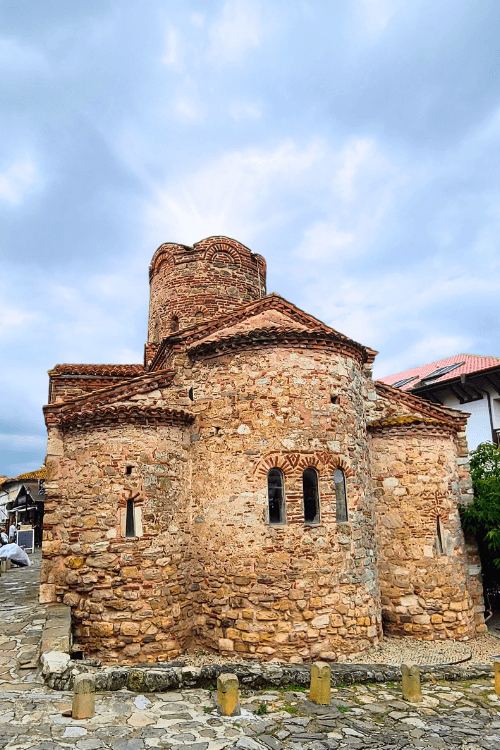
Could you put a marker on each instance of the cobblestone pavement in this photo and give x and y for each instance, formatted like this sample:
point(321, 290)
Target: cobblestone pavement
point(457, 715)
point(21, 624)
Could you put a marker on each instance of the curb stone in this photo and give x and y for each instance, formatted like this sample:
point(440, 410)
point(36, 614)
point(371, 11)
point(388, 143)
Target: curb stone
point(164, 676)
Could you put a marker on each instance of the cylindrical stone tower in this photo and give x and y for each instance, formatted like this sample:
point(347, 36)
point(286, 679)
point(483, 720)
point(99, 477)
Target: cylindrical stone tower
point(192, 284)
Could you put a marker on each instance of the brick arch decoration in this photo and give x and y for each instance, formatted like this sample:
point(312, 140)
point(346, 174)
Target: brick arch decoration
point(223, 251)
point(163, 256)
point(200, 310)
point(295, 463)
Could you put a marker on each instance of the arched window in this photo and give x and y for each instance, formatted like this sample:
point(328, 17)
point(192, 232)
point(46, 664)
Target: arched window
point(174, 323)
point(276, 496)
point(130, 519)
point(311, 495)
point(340, 494)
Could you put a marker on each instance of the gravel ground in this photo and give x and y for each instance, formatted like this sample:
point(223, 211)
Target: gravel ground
point(394, 651)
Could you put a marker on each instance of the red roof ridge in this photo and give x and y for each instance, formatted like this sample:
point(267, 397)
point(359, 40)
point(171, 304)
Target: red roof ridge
point(443, 413)
point(271, 301)
point(125, 388)
point(465, 364)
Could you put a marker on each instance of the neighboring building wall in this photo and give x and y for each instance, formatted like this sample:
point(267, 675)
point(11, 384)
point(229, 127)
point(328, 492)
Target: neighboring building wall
point(128, 595)
point(296, 591)
point(478, 424)
point(425, 584)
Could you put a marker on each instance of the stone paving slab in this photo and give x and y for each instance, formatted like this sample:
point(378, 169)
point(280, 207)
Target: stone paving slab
point(465, 716)
point(22, 620)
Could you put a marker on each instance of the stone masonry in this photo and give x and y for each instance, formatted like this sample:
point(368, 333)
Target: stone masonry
point(160, 531)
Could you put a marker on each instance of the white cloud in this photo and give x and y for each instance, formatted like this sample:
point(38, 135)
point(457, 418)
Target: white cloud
point(18, 180)
point(12, 318)
point(375, 15)
point(358, 187)
point(17, 57)
point(380, 308)
point(172, 56)
point(197, 19)
point(323, 240)
point(230, 195)
point(185, 108)
point(238, 29)
point(22, 442)
point(245, 111)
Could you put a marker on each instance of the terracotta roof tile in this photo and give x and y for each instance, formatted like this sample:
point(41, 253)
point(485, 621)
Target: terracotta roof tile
point(125, 371)
point(471, 363)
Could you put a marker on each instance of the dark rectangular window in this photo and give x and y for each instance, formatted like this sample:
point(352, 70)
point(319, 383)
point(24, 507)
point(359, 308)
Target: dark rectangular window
point(130, 520)
point(276, 496)
point(439, 537)
point(311, 495)
point(340, 494)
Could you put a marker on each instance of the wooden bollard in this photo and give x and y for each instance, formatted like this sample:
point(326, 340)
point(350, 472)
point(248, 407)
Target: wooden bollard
point(411, 683)
point(8, 563)
point(228, 695)
point(319, 691)
point(496, 665)
point(3, 565)
point(83, 697)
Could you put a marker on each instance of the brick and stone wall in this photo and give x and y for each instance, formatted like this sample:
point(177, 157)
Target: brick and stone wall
point(295, 591)
point(193, 284)
point(243, 386)
point(128, 595)
point(68, 381)
point(424, 577)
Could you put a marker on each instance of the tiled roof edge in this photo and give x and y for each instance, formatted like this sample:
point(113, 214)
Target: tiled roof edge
point(442, 413)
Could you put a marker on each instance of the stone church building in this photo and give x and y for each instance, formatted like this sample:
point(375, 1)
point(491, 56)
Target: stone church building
point(250, 488)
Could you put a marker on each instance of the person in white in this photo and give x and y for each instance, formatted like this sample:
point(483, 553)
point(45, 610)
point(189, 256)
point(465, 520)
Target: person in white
point(12, 533)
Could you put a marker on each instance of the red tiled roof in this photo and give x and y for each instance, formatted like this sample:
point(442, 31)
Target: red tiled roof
point(271, 314)
point(27, 476)
point(125, 371)
point(471, 363)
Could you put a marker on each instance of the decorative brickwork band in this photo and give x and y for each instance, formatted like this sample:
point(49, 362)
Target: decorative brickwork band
point(294, 464)
point(113, 415)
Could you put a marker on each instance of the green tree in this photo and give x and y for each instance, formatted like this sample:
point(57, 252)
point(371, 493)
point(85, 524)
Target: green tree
point(483, 516)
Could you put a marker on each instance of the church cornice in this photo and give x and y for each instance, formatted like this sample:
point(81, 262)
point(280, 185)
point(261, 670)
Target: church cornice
point(442, 414)
point(122, 391)
point(270, 337)
point(118, 414)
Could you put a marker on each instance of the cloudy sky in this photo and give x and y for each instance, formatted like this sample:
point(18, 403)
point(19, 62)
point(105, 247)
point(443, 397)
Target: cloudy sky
point(354, 143)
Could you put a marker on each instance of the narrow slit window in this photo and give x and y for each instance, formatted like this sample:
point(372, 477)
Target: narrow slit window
point(341, 495)
point(439, 536)
point(130, 519)
point(311, 495)
point(191, 394)
point(129, 470)
point(174, 323)
point(276, 496)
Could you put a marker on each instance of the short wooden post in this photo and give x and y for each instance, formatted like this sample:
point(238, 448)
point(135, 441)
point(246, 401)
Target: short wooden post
point(83, 697)
point(411, 683)
point(3, 565)
point(319, 691)
point(8, 563)
point(228, 695)
point(496, 665)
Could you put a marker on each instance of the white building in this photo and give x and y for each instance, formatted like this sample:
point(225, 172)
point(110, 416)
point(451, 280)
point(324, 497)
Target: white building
point(467, 382)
